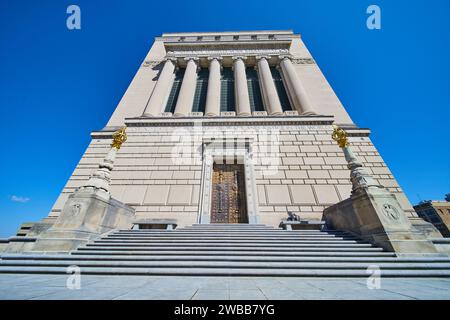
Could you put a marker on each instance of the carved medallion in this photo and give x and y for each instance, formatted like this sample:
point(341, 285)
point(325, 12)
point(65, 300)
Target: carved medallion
point(76, 208)
point(390, 211)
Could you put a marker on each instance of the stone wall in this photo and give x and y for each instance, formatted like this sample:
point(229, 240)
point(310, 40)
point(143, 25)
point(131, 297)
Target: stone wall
point(310, 170)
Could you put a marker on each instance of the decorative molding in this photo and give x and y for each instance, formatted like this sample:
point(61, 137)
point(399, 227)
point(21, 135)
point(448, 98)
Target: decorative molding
point(259, 113)
point(303, 61)
point(220, 53)
point(151, 63)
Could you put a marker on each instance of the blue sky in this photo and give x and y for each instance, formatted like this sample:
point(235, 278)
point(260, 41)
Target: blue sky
point(57, 85)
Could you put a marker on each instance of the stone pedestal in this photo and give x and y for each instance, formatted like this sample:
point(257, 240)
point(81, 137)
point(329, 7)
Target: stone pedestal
point(90, 211)
point(87, 214)
point(372, 212)
point(375, 215)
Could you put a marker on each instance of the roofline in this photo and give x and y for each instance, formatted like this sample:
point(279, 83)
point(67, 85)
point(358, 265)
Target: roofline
point(175, 34)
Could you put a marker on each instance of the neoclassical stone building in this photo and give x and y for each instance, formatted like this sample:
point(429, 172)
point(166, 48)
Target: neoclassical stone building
point(230, 127)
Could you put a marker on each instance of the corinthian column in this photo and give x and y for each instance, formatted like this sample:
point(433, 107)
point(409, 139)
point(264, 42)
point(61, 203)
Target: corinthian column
point(241, 88)
point(187, 90)
point(269, 92)
point(213, 93)
point(161, 90)
point(296, 90)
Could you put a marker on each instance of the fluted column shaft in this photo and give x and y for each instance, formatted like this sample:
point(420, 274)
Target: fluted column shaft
point(187, 90)
point(296, 89)
point(269, 91)
point(156, 103)
point(241, 88)
point(213, 93)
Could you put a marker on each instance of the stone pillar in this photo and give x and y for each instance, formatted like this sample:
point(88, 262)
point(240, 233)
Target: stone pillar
point(372, 212)
point(296, 90)
point(268, 90)
point(160, 92)
point(241, 88)
point(90, 211)
point(187, 90)
point(213, 94)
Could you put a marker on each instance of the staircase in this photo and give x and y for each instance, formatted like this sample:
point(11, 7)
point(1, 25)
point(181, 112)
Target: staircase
point(228, 250)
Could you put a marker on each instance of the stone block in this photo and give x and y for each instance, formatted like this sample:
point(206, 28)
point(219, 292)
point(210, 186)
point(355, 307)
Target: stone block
point(335, 160)
point(313, 160)
point(340, 174)
point(180, 195)
point(134, 195)
point(156, 194)
point(296, 174)
point(161, 175)
point(309, 149)
point(277, 194)
point(183, 174)
point(318, 174)
point(344, 190)
point(302, 194)
point(326, 194)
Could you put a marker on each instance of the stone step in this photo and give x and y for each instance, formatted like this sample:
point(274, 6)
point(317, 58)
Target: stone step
point(293, 251)
point(225, 236)
point(223, 240)
point(211, 231)
point(226, 244)
point(228, 272)
point(223, 264)
point(193, 253)
point(226, 258)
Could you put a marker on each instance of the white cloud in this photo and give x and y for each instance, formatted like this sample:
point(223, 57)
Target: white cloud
point(20, 199)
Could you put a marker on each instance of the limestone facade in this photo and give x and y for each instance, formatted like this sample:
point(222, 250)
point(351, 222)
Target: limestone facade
point(291, 162)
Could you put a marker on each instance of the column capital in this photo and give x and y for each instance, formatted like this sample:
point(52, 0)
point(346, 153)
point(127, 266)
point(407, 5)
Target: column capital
point(215, 58)
point(195, 59)
point(171, 59)
point(239, 58)
point(262, 57)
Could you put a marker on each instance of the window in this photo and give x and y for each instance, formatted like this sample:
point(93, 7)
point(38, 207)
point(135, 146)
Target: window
point(199, 38)
point(173, 95)
point(254, 37)
point(254, 90)
point(217, 38)
point(281, 90)
point(271, 36)
point(200, 91)
point(227, 90)
point(235, 37)
point(182, 38)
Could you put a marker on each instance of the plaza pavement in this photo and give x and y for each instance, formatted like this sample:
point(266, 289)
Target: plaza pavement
point(53, 287)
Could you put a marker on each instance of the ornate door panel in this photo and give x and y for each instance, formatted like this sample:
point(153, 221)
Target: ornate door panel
point(228, 203)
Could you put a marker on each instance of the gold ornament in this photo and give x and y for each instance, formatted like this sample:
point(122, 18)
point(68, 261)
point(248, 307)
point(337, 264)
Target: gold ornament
point(119, 137)
point(340, 136)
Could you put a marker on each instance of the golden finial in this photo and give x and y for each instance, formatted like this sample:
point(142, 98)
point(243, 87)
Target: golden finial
point(119, 137)
point(340, 136)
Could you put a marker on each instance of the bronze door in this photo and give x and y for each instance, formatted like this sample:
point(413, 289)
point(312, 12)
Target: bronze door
point(228, 203)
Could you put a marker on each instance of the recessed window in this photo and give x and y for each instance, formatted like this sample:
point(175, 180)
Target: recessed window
point(235, 37)
point(217, 38)
point(199, 38)
point(182, 38)
point(254, 37)
point(271, 36)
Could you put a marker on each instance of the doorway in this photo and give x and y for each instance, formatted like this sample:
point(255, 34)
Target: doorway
point(228, 201)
